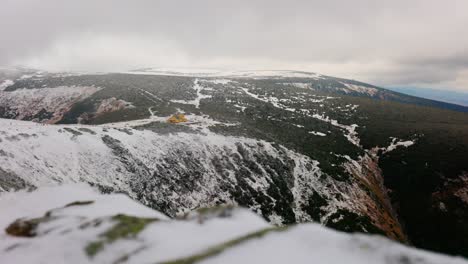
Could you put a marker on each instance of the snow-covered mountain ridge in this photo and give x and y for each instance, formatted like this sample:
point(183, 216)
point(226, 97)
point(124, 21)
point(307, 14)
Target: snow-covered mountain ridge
point(75, 224)
point(189, 72)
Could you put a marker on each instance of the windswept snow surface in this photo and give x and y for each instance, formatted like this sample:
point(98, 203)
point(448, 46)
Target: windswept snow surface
point(73, 232)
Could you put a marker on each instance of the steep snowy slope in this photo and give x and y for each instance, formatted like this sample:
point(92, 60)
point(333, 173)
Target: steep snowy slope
point(179, 171)
point(75, 224)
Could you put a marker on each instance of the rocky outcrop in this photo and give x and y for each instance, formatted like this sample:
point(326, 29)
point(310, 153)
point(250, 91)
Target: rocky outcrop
point(379, 207)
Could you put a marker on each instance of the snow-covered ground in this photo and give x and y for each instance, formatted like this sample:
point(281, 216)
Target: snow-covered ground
point(75, 224)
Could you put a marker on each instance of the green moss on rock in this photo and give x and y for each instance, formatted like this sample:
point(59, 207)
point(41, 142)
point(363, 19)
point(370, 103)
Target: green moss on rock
point(125, 227)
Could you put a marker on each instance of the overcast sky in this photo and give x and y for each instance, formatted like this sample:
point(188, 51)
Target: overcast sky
point(398, 42)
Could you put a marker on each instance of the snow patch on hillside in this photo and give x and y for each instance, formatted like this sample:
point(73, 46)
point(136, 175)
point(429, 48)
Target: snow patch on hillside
point(398, 143)
point(315, 133)
point(199, 96)
point(298, 85)
point(350, 130)
point(360, 89)
point(52, 102)
point(113, 104)
point(5, 84)
point(219, 81)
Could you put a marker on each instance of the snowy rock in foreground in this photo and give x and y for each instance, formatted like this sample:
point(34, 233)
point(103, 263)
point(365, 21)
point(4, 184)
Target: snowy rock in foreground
point(75, 224)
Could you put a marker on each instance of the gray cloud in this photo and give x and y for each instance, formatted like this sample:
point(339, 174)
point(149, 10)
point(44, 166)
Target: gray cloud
point(396, 42)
